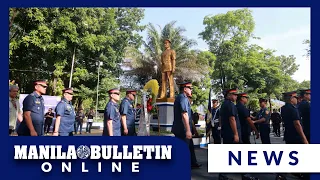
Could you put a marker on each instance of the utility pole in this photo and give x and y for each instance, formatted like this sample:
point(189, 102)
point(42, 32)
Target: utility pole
point(73, 57)
point(99, 64)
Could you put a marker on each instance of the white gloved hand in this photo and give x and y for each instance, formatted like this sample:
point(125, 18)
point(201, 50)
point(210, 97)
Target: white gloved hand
point(219, 128)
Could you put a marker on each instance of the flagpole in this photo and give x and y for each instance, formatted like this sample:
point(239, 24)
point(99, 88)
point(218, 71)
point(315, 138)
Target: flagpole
point(207, 120)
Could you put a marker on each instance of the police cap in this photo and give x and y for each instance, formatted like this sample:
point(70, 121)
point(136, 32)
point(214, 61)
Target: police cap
point(290, 94)
point(114, 90)
point(262, 100)
point(40, 82)
point(185, 84)
point(68, 90)
point(243, 95)
point(305, 91)
point(231, 91)
point(131, 91)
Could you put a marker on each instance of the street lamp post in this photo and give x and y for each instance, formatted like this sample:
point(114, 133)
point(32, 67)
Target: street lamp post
point(99, 64)
point(72, 64)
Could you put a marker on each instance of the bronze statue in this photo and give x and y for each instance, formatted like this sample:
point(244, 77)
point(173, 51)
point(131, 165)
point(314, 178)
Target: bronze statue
point(168, 66)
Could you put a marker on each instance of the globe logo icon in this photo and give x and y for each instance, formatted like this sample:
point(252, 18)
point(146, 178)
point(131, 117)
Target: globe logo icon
point(83, 152)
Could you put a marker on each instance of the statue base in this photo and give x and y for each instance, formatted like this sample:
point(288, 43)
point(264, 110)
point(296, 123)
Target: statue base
point(161, 100)
point(165, 114)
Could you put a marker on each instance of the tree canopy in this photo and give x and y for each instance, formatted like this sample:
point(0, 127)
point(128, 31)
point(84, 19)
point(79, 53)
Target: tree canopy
point(44, 41)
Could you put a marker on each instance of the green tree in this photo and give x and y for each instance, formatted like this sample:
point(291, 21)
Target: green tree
point(288, 65)
point(43, 42)
point(308, 49)
point(227, 36)
point(304, 85)
point(240, 64)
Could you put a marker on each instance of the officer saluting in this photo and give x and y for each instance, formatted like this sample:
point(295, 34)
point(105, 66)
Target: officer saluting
point(127, 112)
point(304, 109)
point(111, 123)
point(182, 122)
point(33, 111)
point(263, 119)
point(65, 115)
point(245, 119)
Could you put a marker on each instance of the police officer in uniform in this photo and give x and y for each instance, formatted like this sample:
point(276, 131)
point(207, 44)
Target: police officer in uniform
point(216, 131)
point(127, 112)
point(263, 119)
point(304, 109)
point(111, 122)
point(195, 133)
point(182, 122)
point(65, 115)
point(245, 119)
point(33, 111)
point(231, 127)
point(276, 120)
point(290, 115)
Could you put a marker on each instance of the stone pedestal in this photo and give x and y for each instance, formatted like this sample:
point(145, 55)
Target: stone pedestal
point(165, 114)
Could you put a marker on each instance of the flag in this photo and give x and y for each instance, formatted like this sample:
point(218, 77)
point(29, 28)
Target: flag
point(208, 115)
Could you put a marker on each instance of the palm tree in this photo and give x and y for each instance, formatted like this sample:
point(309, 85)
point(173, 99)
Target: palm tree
point(146, 65)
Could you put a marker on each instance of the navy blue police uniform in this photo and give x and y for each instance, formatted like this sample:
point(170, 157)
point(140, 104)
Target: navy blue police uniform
point(112, 113)
point(127, 109)
point(244, 113)
point(264, 127)
point(216, 133)
point(289, 114)
point(182, 105)
point(67, 114)
point(194, 161)
point(227, 110)
point(35, 104)
point(304, 109)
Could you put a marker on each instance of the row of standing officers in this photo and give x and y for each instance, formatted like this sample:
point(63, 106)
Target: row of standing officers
point(117, 121)
point(236, 123)
point(235, 120)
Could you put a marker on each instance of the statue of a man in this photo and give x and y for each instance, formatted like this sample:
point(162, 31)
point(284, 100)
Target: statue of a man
point(168, 61)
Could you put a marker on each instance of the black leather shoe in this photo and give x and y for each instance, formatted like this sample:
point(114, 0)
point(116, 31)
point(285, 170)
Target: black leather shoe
point(196, 166)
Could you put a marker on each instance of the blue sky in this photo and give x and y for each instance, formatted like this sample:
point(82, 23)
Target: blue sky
point(281, 29)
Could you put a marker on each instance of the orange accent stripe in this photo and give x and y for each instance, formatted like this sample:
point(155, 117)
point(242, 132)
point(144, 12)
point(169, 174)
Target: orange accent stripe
point(232, 91)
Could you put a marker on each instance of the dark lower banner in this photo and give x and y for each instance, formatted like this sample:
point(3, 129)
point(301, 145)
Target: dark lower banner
point(98, 157)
